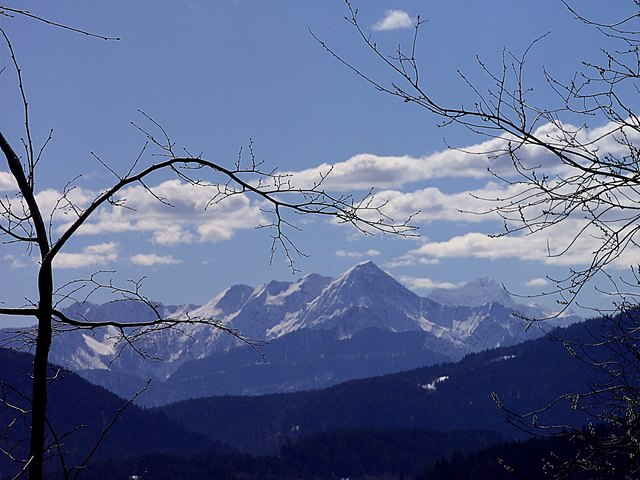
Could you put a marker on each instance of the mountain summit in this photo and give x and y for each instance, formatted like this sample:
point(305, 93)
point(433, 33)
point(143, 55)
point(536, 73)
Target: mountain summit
point(362, 297)
point(473, 294)
point(448, 323)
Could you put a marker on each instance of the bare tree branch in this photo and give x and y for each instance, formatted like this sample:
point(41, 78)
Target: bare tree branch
point(24, 220)
point(590, 184)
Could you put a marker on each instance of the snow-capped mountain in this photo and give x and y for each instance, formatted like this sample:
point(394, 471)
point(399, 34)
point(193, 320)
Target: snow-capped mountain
point(362, 297)
point(477, 316)
point(272, 305)
point(473, 294)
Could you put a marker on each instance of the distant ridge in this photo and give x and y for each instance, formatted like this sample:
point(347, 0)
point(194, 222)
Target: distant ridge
point(446, 396)
point(474, 317)
point(473, 294)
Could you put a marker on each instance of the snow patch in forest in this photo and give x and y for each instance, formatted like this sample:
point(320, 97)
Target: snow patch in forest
point(431, 386)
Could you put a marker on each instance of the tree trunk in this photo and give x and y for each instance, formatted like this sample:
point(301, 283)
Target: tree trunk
point(44, 313)
point(40, 373)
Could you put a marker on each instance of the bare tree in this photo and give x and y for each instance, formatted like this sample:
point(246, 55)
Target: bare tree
point(24, 221)
point(592, 178)
point(607, 445)
point(588, 179)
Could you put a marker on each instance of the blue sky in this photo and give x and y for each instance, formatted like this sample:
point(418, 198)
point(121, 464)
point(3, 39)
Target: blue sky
point(218, 73)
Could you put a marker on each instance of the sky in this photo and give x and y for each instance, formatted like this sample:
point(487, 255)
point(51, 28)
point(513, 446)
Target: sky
point(219, 75)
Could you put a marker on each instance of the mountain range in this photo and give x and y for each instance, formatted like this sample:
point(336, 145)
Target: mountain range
point(320, 331)
point(409, 419)
point(450, 396)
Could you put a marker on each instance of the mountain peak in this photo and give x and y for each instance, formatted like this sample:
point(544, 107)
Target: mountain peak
point(363, 297)
point(473, 294)
point(364, 267)
point(366, 278)
point(226, 302)
point(366, 263)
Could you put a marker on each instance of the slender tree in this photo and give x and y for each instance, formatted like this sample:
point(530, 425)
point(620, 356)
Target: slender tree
point(24, 221)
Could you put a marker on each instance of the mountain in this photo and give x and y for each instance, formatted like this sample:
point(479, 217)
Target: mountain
point(302, 360)
point(444, 397)
point(274, 304)
point(103, 348)
point(78, 413)
point(473, 294)
point(477, 316)
point(362, 297)
point(379, 427)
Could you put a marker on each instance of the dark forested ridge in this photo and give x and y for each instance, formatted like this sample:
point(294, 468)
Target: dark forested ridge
point(522, 460)
point(450, 396)
point(531, 459)
point(383, 454)
point(307, 358)
point(79, 412)
point(302, 360)
point(382, 427)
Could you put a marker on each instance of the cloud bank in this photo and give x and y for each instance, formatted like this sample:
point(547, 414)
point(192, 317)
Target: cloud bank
point(93, 256)
point(150, 259)
point(454, 189)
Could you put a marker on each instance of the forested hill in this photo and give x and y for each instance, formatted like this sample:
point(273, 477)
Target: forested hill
point(449, 396)
point(313, 431)
point(79, 413)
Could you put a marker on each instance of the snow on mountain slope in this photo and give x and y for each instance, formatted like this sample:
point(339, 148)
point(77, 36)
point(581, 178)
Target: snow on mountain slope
point(225, 303)
point(473, 294)
point(476, 316)
point(363, 297)
point(277, 303)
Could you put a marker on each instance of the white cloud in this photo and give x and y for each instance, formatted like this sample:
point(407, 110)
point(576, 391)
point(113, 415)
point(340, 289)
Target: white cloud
point(366, 170)
point(537, 282)
point(355, 254)
point(97, 255)
point(548, 246)
point(411, 260)
point(423, 283)
point(173, 235)
point(150, 259)
point(7, 182)
point(50, 200)
point(393, 20)
point(189, 220)
point(432, 204)
point(481, 245)
point(15, 261)
point(348, 254)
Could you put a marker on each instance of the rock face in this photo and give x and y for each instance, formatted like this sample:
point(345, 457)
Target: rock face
point(450, 323)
